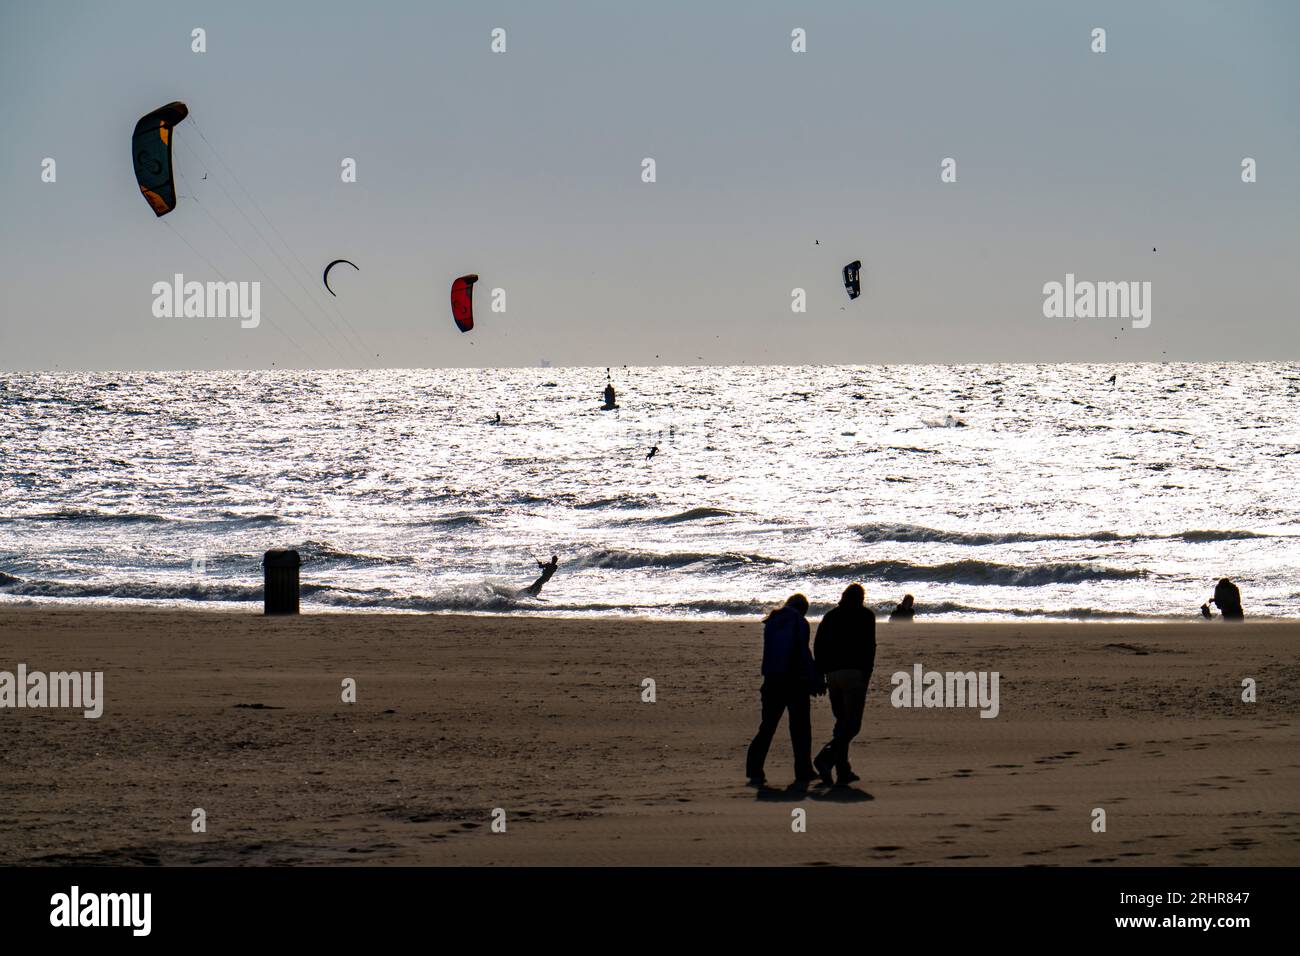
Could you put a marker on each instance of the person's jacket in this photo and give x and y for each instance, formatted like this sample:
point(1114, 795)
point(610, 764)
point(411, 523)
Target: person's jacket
point(846, 640)
point(785, 646)
point(1227, 596)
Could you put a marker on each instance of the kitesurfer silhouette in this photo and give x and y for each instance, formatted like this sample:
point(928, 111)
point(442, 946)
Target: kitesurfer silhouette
point(548, 571)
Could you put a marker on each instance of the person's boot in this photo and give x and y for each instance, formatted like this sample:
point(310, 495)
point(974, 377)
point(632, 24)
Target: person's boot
point(824, 765)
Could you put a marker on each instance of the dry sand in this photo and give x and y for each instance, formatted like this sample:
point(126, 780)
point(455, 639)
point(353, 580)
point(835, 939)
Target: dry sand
point(456, 716)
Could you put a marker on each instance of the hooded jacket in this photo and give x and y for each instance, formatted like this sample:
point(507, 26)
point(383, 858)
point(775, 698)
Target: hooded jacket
point(785, 646)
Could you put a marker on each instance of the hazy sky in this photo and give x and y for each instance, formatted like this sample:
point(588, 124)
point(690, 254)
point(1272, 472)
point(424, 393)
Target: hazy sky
point(525, 167)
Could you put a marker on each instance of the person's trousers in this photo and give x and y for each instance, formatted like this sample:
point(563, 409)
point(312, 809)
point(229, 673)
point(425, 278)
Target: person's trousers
point(782, 692)
point(847, 690)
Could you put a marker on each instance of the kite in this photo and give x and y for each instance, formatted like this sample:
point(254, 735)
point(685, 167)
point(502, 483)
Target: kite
point(852, 282)
point(462, 302)
point(325, 276)
point(151, 148)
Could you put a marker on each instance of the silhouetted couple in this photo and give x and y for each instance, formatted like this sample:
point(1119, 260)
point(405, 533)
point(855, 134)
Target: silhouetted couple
point(845, 653)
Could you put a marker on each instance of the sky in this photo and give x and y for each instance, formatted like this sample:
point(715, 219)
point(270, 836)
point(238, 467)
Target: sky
point(772, 170)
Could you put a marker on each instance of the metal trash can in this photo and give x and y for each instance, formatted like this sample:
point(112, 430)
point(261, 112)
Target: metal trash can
point(280, 581)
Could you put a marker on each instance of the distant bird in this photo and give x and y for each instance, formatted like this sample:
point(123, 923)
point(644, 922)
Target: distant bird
point(1112, 380)
point(817, 242)
point(651, 453)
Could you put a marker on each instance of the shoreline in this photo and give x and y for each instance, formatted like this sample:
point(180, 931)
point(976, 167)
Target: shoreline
point(959, 619)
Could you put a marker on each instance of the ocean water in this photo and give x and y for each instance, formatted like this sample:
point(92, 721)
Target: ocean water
point(987, 491)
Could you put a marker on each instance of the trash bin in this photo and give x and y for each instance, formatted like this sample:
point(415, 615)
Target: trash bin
point(280, 581)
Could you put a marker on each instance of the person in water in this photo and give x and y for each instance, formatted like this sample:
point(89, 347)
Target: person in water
point(905, 611)
point(1227, 598)
point(845, 651)
point(609, 395)
point(789, 680)
point(548, 571)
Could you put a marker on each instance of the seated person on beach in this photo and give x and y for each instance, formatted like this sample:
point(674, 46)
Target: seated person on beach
point(1227, 598)
point(548, 571)
point(905, 611)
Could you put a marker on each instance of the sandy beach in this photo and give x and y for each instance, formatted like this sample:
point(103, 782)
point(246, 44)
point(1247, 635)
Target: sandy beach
point(242, 716)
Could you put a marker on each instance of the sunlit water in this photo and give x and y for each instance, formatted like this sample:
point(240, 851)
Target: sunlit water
point(986, 491)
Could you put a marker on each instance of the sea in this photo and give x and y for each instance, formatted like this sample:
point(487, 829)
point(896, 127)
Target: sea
point(989, 492)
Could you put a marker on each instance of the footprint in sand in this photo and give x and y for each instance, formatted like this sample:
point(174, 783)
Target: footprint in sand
point(1127, 649)
point(1057, 758)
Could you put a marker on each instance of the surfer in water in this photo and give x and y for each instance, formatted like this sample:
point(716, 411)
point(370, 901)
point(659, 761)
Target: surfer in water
point(548, 571)
point(610, 397)
point(906, 610)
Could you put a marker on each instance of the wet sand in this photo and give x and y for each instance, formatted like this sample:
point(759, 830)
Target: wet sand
point(242, 716)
